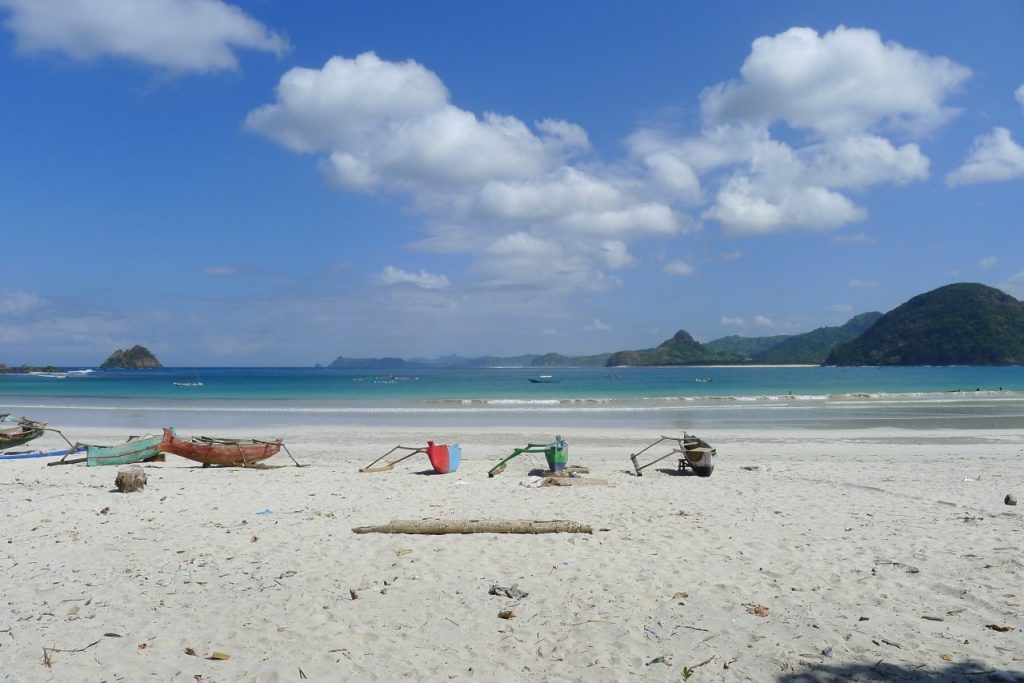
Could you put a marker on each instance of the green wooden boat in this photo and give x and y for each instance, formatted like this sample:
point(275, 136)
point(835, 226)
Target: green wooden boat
point(135, 449)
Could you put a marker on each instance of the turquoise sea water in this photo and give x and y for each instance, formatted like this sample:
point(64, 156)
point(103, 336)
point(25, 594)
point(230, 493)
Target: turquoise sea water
point(666, 398)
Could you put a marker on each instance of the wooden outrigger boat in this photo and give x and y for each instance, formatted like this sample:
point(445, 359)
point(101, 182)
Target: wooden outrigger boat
point(444, 458)
point(222, 451)
point(556, 453)
point(694, 453)
point(135, 449)
point(15, 431)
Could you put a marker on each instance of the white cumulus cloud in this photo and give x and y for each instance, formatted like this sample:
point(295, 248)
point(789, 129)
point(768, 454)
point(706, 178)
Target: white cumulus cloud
point(992, 157)
point(489, 185)
point(424, 280)
point(988, 263)
point(732, 321)
point(836, 95)
point(180, 35)
point(1019, 94)
point(841, 81)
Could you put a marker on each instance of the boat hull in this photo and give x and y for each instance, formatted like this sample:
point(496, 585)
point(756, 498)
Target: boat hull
point(16, 431)
point(214, 451)
point(557, 456)
point(131, 451)
point(444, 458)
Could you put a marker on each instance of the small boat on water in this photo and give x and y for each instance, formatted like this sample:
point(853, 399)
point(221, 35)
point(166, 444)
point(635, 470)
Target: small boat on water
point(15, 431)
point(543, 379)
point(188, 384)
point(705, 380)
point(220, 451)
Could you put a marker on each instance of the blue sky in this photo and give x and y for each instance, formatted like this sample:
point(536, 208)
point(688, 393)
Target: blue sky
point(279, 183)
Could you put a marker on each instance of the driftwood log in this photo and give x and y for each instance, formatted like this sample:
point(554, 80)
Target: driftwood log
point(476, 526)
point(130, 480)
point(574, 481)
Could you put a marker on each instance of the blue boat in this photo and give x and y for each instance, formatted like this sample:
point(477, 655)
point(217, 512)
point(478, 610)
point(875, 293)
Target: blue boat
point(60, 452)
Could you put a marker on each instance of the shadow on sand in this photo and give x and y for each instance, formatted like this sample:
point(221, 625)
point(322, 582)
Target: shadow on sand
point(882, 671)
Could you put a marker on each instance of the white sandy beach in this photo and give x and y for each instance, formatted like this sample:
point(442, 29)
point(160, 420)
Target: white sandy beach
point(878, 555)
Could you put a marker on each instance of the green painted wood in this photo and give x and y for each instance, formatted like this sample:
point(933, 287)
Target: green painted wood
point(133, 450)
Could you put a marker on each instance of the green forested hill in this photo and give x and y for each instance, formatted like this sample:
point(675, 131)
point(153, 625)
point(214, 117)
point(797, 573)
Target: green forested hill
point(814, 346)
point(959, 324)
point(681, 349)
point(746, 347)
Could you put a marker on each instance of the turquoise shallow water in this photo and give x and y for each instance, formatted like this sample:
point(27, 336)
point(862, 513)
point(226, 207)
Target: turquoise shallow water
point(667, 398)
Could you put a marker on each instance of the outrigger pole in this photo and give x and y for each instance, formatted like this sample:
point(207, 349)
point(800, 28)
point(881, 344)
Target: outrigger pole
point(552, 451)
point(387, 467)
point(687, 443)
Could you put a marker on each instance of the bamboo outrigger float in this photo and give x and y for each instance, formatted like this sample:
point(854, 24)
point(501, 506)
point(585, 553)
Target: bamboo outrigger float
point(444, 458)
point(694, 453)
point(556, 453)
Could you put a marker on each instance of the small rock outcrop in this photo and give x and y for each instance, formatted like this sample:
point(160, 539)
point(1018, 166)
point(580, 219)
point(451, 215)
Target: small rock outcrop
point(135, 358)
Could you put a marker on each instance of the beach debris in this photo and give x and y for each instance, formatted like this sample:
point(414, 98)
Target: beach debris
point(506, 614)
point(1002, 628)
point(1010, 499)
point(532, 482)
point(265, 512)
point(190, 652)
point(930, 617)
point(827, 652)
point(572, 480)
point(476, 526)
point(511, 592)
point(659, 660)
point(104, 510)
point(756, 610)
point(946, 657)
point(219, 656)
point(130, 479)
point(352, 594)
point(750, 468)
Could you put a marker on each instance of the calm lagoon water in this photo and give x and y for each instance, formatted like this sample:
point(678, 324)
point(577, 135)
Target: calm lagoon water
point(692, 398)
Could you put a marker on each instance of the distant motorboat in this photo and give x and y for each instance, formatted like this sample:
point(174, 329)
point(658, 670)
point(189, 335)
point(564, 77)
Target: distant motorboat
point(704, 380)
point(543, 379)
point(188, 384)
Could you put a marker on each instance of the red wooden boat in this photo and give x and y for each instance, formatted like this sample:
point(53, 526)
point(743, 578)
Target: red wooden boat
point(218, 451)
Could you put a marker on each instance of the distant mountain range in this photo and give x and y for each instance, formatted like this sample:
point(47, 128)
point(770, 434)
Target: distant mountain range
point(959, 324)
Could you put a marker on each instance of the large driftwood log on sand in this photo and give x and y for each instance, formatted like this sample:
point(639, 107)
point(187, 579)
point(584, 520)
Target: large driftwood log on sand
point(476, 526)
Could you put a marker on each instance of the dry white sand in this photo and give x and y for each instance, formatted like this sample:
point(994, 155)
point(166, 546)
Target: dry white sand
point(841, 555)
